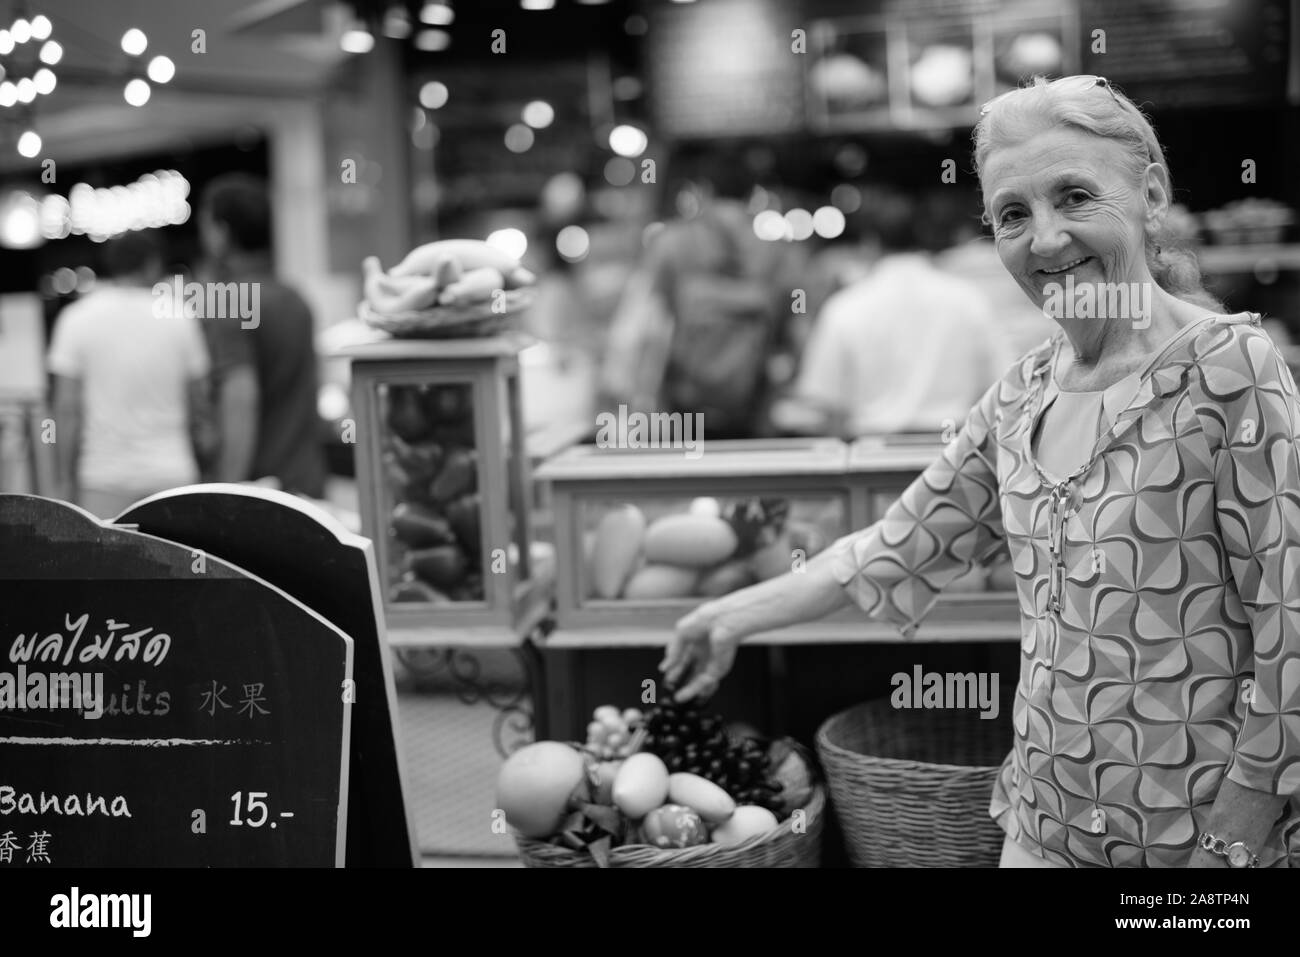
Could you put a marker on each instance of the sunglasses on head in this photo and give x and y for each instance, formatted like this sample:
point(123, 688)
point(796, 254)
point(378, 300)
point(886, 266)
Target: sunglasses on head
point(1076, 83)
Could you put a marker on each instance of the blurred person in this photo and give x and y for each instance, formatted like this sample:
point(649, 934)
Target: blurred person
point(701, 316)
point(560, 372)
point(906, 349)
point(264, 372)
point(129, 386)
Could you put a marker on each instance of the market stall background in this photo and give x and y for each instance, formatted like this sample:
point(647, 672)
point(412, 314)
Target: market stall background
point(383, 125)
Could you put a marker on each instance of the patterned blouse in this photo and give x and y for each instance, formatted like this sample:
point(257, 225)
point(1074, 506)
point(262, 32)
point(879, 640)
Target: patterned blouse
point(1160, 637)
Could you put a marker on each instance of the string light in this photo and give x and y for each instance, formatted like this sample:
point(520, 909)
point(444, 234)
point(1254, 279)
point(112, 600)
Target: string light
point(134, 42)
point(29, 144)
point(161, 69)
point(137, 92)
point(357, 39)
point(437, 14)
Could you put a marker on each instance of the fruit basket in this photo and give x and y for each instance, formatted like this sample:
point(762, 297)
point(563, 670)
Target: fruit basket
point(778, 848)
point(912, 788)
point(670, 788)
point(469, 321)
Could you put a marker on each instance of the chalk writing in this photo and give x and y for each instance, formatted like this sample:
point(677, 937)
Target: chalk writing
point(25, 648)
point(252, 695)
point(250, 704)
point(37, 851)
point(212, 698)
point(21, 802)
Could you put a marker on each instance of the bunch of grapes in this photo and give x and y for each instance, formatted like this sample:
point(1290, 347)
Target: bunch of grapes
point(611, 733)
point(688, 740)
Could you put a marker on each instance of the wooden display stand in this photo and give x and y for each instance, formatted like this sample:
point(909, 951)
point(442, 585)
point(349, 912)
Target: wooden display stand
point(432, 400)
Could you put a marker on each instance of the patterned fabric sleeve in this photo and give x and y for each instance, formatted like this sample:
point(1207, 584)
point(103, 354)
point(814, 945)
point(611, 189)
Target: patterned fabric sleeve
point(1257, 494)
point(947, 520)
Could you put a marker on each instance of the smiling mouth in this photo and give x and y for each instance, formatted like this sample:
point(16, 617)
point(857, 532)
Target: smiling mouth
point(1069, 265)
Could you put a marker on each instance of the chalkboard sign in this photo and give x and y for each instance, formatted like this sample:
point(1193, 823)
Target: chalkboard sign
point(160, 706)
point(297, 547)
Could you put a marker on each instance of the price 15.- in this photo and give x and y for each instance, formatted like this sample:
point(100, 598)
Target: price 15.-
point(254, 810)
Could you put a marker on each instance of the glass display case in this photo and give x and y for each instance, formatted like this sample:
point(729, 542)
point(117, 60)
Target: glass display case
point(645, 535)
point(443, 483)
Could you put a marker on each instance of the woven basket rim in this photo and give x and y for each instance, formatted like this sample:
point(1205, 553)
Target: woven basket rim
point(837, 750)
point(815, 808)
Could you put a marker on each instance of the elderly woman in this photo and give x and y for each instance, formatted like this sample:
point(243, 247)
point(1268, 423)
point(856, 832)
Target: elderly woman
point(1141, 466)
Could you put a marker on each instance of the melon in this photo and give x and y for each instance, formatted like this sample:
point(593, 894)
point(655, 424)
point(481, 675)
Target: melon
point(695, 541)
point(726, 578)
point(537, 784)
point(661, 581)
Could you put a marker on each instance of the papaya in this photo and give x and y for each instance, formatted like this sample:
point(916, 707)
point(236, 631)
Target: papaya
point(725, 578)
point(661, 581)
point(421, 459)
point(459, 475)
point(412, 589)
point(420, 526)
point(443, 565)
point(617, 549)
point(463, 517)
point(693, 541)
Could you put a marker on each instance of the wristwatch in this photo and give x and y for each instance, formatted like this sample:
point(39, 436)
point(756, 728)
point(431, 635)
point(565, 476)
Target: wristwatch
point(1237, 853)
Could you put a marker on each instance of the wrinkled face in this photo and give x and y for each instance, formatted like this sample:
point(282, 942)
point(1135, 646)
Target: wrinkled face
point(1063, 203)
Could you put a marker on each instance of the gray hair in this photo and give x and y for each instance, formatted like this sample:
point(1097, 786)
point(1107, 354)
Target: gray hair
point(1014, 116)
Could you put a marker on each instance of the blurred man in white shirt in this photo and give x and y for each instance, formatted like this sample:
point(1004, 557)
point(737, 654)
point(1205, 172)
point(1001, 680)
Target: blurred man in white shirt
point(907, 349)
point(128, 387)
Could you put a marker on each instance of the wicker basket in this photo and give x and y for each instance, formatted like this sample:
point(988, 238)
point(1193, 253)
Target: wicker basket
point(450, 322)
point(778, 848)
point(911, 788)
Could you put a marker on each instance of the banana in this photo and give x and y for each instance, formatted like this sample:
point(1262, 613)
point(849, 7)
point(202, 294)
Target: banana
point(387, 294)
point(477, 285)
point(448, 272)
point(469, 254)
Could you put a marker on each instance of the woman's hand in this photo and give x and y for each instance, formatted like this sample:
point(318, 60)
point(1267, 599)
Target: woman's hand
point(702, 648)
